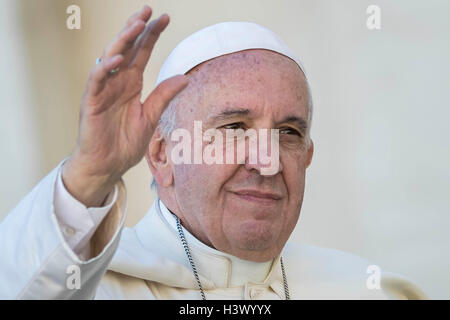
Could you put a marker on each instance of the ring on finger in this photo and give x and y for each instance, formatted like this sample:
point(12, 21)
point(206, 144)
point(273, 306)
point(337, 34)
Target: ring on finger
point(111, 72)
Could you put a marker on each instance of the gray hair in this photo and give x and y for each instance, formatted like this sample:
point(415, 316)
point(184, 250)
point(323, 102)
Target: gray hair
point(168, 120)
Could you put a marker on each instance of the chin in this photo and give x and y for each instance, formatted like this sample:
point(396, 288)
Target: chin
point(256, 235)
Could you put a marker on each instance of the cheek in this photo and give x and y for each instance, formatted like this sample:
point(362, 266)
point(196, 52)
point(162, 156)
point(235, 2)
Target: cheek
point(190, 180)
point(200, 196)
point(294, 169)
point(201, 185)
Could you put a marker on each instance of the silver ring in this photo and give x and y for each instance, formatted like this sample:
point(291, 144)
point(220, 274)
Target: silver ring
point(111, 72)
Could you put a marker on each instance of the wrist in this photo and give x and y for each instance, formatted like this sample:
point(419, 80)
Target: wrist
point(89, 188)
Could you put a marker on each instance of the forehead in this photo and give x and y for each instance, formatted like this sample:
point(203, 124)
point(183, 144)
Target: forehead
point(262, 81)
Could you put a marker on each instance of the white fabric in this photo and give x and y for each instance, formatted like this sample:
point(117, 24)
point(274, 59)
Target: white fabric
point(149, 262)
point(220, 39)
point(35, 259)
point(77, 222)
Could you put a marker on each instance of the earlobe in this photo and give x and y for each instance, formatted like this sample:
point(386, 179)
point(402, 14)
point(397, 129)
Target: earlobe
point(167, 179)
point(158, 161)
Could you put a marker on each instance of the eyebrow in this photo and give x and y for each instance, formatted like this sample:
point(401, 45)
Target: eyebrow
point(227, 114)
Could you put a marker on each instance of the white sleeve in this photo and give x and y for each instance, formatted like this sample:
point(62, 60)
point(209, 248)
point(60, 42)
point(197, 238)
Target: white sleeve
point(77, 222)
point(37, 260)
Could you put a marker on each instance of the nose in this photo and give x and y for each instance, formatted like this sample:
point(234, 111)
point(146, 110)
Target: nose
point(262, 154)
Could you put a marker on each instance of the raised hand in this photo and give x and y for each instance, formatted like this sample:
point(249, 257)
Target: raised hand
point(115, 126)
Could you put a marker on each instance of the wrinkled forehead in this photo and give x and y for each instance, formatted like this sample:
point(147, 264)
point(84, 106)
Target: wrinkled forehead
point(249, 60)
point(257, 79)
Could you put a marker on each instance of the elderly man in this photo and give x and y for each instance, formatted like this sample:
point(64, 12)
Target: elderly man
point(217, 230)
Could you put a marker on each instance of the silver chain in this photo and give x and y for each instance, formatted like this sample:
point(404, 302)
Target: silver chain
point(286, 288)
point(194, 269)
point(188, 254)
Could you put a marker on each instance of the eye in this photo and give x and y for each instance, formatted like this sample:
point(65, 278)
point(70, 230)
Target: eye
point(290, 131)
point(233, 126)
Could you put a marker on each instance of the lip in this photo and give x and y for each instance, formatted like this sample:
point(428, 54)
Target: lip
point(258, 196)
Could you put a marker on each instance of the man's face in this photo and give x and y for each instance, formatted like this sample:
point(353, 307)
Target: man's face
point(234, 207)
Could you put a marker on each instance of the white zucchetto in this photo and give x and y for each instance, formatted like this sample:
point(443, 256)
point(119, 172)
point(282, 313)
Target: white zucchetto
point(220, 39)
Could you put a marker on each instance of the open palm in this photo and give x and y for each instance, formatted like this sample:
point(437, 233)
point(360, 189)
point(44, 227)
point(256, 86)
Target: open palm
point(115, 126)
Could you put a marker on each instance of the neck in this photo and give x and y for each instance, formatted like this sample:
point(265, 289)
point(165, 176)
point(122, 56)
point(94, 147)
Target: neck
point(241, 271)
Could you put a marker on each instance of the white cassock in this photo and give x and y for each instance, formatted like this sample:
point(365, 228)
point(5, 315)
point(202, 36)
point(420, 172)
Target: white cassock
point(50, 233)
point(47, 241)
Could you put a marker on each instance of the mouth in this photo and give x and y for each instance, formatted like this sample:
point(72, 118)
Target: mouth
point(258, 196)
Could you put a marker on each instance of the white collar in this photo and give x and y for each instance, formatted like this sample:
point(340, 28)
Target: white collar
point(241, 271)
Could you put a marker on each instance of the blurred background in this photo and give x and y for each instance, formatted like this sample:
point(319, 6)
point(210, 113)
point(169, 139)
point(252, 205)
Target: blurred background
point(379, 184)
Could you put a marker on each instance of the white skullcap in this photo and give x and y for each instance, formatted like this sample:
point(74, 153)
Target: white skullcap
point(220, 39)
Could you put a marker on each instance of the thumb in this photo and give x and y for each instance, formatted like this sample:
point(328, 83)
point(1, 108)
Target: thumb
point(159, 98)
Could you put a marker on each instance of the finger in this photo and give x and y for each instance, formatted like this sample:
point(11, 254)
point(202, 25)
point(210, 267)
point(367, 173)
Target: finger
point(148, 40)
point(125, 39)
point(144, 14)
point(159, 99)
point(100, 74)
point(127, 36)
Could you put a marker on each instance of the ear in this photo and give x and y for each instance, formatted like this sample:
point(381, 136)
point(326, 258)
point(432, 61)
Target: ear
point(158, 161)
point(310, 153)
